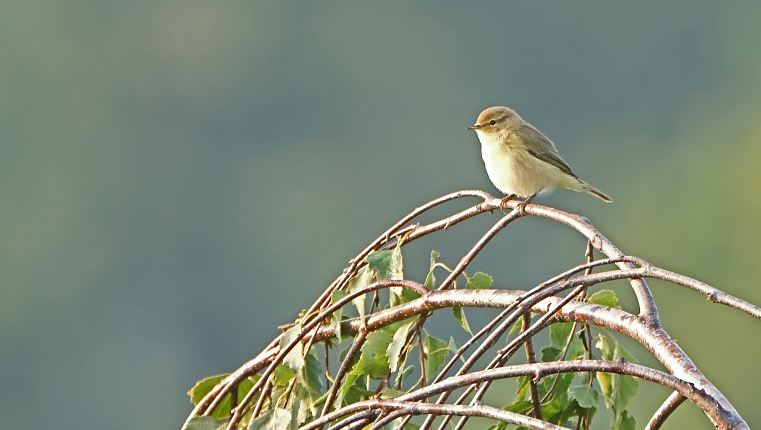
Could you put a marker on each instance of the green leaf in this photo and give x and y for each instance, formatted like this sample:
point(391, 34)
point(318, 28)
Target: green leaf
point(397, 294)
point(517, 326)
point(386, 264)
point(202, 387)
point(205, 423)
point(346, 386)
point(335, 296)
point(561, 387)
point(618, 390)
point(625, 388)
point(524, 384)
point(605, 347)
point(572, 409)
point(606, 386)
point(294, 359)
point(520, 407)
point(585, 395)
point(501, 426)
point(454, 346)
point(353, 389)
point(559, 333)
point(430, 279)
point(405, 373)
point(436, 351)
point(396, 266)
point(309, 377)
point(398, 422)
point(274, 419)
point(390, 393)
point(550, 354)
point(376, 344)
point(358, 282)
point(624, 422)
point(575, 349)
point(296, 414)
point(479, 281)
point(373, 360)
point(459, 315)
point(404, 296)
point(394, 349)
point(605, 298)
point(552, 410)
point(559, 383)
point(621, 352)
point(282, 375)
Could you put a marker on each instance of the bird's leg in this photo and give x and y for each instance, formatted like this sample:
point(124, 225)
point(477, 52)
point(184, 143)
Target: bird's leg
point(505, 200)
point(521, 208)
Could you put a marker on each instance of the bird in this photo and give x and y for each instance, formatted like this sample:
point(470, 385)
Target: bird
point(521, 161)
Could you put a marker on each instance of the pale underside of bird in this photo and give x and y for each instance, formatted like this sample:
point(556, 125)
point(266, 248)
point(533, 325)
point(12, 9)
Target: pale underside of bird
point(520, 160)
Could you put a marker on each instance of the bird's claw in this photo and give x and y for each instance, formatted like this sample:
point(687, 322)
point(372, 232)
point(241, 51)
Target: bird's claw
point(521, 208)
point(505, 201)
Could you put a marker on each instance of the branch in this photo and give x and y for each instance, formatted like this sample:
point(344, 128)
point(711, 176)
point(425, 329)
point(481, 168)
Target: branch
point(536, 370)
point(410, 408)
point(672, 402)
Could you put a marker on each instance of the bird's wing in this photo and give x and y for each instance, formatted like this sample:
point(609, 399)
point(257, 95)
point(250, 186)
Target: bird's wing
point(542, 148)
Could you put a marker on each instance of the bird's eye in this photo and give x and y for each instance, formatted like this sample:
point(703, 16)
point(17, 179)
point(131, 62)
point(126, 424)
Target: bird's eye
point(492, 122)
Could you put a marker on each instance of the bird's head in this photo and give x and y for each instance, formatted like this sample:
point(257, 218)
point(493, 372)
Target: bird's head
point(496, 120)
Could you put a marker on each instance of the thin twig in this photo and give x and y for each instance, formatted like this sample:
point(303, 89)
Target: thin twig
point(468, 257)
point(525, 323)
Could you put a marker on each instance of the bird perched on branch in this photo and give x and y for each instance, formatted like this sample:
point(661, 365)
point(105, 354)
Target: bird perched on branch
point(520, 160)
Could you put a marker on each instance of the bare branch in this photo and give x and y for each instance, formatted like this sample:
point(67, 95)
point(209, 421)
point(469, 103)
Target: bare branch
point(672, 402)
point(414, 408)
point(713, 294)
point(525, 323)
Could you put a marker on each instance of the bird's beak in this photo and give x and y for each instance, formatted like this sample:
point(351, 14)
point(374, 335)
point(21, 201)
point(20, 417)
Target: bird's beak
point(473, 127)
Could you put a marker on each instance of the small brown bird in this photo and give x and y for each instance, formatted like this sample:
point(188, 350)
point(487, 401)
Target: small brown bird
point(520, 160)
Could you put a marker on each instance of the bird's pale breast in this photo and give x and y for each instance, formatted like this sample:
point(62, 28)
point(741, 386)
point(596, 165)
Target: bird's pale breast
point(514, 171)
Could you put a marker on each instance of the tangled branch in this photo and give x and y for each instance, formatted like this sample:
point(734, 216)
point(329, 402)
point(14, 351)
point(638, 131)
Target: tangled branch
point(372, 385)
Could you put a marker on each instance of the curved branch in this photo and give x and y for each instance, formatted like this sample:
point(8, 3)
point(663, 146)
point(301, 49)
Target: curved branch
point(537, 370)
point(713, 294)
point(410, 408)
point(672, 402)
point(465, 260)
point(386, 236)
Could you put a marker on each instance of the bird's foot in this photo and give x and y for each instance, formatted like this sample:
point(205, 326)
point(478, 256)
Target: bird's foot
point(505, 200)
point(521, 208)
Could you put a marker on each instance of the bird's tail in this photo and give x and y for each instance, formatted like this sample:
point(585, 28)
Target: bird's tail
point(595, 192)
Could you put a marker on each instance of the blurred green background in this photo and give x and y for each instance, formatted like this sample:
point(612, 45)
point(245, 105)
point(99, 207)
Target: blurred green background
point(178, 177)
